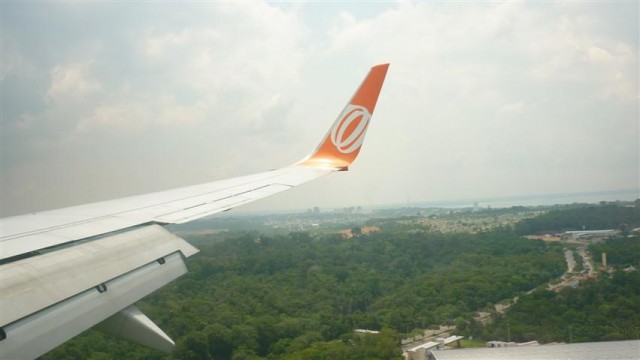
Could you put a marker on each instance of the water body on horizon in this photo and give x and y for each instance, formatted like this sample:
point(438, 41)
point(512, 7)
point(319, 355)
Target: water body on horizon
point(534, 200)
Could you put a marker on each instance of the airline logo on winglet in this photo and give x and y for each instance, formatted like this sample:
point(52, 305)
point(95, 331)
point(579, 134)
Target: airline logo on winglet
point(341, 145)
point(348, 134)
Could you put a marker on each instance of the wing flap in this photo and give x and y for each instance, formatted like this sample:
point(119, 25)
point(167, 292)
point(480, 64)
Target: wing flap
point(33, 284)
point(42, 331)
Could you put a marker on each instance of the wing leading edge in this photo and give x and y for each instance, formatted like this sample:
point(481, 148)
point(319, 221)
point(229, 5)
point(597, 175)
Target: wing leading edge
point(65, 270)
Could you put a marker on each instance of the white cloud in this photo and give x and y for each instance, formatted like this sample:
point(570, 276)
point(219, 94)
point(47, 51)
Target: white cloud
point(454, 65)
point(245, 87)
point(14, 63)
point(598, 55)
point(139, 115)
point(70, 82)
point(512, 108)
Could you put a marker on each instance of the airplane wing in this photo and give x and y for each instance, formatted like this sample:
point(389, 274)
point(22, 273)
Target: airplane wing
point(66, 270)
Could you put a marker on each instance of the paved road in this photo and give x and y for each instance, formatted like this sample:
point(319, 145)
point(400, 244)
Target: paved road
point(571, 262)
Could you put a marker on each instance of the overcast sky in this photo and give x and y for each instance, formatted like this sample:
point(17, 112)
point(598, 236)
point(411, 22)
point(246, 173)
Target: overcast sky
point(103, 100)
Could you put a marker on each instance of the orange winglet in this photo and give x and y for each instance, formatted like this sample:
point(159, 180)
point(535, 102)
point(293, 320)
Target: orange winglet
point(342, 143)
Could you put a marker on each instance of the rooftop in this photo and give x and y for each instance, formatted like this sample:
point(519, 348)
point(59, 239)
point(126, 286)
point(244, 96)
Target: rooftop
point(629, 349)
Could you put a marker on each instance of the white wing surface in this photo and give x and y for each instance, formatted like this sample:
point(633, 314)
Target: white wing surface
point(64, 271)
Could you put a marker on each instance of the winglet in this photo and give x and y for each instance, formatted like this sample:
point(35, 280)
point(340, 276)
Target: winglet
point(342, 143)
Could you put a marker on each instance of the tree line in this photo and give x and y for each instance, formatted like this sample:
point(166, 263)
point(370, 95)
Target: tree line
point(584, 218)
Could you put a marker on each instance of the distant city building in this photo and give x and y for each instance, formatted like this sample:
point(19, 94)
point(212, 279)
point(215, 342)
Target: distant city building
point(423, 351)
point(588, 234)
point(420, 352)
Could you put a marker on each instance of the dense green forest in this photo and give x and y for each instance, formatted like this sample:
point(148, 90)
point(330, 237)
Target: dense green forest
point(606, 309)
point(299, 296)
point(587, 218)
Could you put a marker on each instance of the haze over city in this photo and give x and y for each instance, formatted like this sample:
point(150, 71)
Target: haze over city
point(482, 100)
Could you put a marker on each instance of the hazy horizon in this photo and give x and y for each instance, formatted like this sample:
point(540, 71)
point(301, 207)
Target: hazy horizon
point(532, 200)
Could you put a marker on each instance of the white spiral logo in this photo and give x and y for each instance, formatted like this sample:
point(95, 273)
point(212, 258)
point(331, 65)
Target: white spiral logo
point(348, 142)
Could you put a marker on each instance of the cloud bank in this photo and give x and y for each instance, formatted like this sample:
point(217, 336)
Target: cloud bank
point(101, 100)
